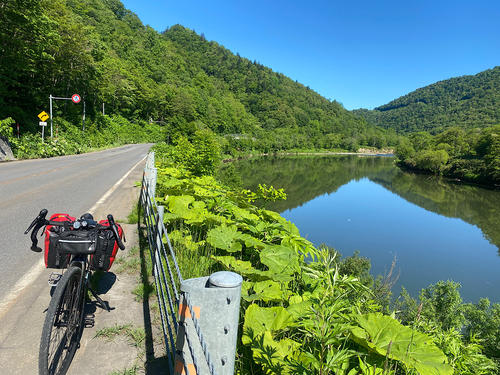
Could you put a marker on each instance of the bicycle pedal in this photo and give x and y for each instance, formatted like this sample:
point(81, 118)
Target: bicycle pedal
point(89, 322)
point(54, 278)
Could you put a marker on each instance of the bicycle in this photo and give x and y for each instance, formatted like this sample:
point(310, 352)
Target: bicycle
point(77, 241)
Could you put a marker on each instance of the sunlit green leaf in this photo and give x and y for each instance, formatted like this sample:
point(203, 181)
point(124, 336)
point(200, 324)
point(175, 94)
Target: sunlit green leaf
point(388, 337)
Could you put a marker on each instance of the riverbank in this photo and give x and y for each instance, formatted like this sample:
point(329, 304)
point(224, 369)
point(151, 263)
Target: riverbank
point(360, 152)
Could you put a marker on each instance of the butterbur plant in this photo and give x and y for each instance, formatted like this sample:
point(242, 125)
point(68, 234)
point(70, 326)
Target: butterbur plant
point(299, 314)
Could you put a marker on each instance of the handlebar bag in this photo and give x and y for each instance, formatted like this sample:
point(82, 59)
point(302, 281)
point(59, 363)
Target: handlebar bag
point(77, 242)
point(52, 256)
point(106, 248)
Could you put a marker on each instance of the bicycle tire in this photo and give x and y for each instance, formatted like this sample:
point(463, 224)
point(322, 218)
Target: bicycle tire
point(63, 324)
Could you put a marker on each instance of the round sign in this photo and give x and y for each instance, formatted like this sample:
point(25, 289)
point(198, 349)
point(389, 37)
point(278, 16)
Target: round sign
point(76, 98)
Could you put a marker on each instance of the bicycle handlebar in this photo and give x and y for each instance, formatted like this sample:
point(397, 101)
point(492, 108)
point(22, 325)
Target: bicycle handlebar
point(114, 228)
point(41, 216)
point(40, 221)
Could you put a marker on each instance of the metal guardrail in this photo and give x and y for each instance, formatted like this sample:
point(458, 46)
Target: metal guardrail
point(199, 323)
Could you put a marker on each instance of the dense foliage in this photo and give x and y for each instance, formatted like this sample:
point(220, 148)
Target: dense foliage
point(467, 102)
point(440, 309)
point(322, 317)
point(472, 155)
point(102, 51)
point(105, 132)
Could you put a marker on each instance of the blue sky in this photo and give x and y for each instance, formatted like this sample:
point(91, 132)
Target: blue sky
point(360, 53)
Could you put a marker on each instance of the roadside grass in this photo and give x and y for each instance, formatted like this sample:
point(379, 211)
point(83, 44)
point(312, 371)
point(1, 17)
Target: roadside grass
point(111, 332)
point(142, 290)
point(133, 216)
point(130, 264)
point(135, 336)
point(129, 371)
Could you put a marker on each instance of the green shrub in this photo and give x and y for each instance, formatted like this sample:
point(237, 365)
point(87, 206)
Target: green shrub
point(433, 161)
point(6, 128)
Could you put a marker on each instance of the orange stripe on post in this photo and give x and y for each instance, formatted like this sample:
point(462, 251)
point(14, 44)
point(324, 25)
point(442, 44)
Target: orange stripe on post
point(180, 370)
point(185, 313)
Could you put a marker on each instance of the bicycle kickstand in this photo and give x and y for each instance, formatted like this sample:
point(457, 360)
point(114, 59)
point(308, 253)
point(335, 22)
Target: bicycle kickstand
point(99, 300)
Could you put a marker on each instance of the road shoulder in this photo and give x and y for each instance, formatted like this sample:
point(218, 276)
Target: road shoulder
point(22, 324)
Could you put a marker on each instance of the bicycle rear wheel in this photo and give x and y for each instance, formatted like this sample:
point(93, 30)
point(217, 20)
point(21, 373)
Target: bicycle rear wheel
point(63, 324)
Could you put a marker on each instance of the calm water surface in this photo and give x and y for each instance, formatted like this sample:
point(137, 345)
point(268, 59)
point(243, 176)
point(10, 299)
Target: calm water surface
point(435, 229)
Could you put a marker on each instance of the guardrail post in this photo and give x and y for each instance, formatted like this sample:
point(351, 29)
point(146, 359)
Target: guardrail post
point(150, 174)
point(152, 182)
point(159, 229)
point(215, 304)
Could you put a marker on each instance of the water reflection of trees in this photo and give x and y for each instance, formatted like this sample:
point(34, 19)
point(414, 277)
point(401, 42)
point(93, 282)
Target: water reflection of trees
point(305, 178)
point(472, 204)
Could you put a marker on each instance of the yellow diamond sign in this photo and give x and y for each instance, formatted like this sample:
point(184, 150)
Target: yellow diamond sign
point(43, 116)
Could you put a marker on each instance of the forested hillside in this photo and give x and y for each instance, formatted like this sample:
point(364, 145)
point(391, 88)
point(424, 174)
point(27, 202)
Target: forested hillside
point(467, 102)
point(102, 51)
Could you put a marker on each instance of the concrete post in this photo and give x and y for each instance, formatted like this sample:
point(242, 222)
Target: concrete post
point(216, 305)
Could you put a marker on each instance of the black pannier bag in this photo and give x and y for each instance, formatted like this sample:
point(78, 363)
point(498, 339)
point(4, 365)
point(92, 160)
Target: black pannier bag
point(53, 258)
point(106, 248)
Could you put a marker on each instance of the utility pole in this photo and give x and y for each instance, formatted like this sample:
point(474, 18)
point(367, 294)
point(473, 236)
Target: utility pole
point(50, 97)
point(103, 108)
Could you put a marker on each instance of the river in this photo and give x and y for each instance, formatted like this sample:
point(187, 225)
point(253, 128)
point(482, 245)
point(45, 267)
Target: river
point(435, 229)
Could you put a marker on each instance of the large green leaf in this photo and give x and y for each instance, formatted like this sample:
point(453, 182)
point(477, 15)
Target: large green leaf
point(251, 241)
point(242, 267)
point(273, 216)
point(244, 215)
point(266, 291)
point(167, 183)
point(272, 354)
point(224, 237)
point(298, 305)
point(282, 262)
point(179, 205)
point(260, 319)
point(191, 210)
point(206, 192)
point(378, 332)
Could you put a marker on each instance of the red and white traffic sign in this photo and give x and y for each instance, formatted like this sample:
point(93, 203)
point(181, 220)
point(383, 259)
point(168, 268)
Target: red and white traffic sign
point(75, 98)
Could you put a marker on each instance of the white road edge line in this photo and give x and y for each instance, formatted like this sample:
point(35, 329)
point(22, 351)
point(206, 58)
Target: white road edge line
point(39, 267)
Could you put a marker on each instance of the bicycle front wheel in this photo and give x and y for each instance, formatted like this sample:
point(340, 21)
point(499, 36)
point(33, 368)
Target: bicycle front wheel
point(63, 324)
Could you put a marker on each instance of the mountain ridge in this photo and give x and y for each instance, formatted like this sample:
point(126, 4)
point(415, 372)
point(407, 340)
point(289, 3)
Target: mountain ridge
point(467, 101)
point(103, 51)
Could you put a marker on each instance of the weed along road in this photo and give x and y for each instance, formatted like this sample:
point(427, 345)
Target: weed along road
point(67, 184)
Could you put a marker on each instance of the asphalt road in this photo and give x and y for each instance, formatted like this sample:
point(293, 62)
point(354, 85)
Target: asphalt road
point(67, 184)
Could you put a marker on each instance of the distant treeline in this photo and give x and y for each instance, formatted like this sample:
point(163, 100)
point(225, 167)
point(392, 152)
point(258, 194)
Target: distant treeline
point(472, 155)
point(103, 52)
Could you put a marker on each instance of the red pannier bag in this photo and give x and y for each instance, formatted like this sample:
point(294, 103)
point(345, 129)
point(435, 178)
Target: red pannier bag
point(106, 248)
point(54, 258)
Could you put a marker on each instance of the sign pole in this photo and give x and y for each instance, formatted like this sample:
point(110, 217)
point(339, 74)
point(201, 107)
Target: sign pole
point(83, 119)
point(50, 97)
point(43, 132)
